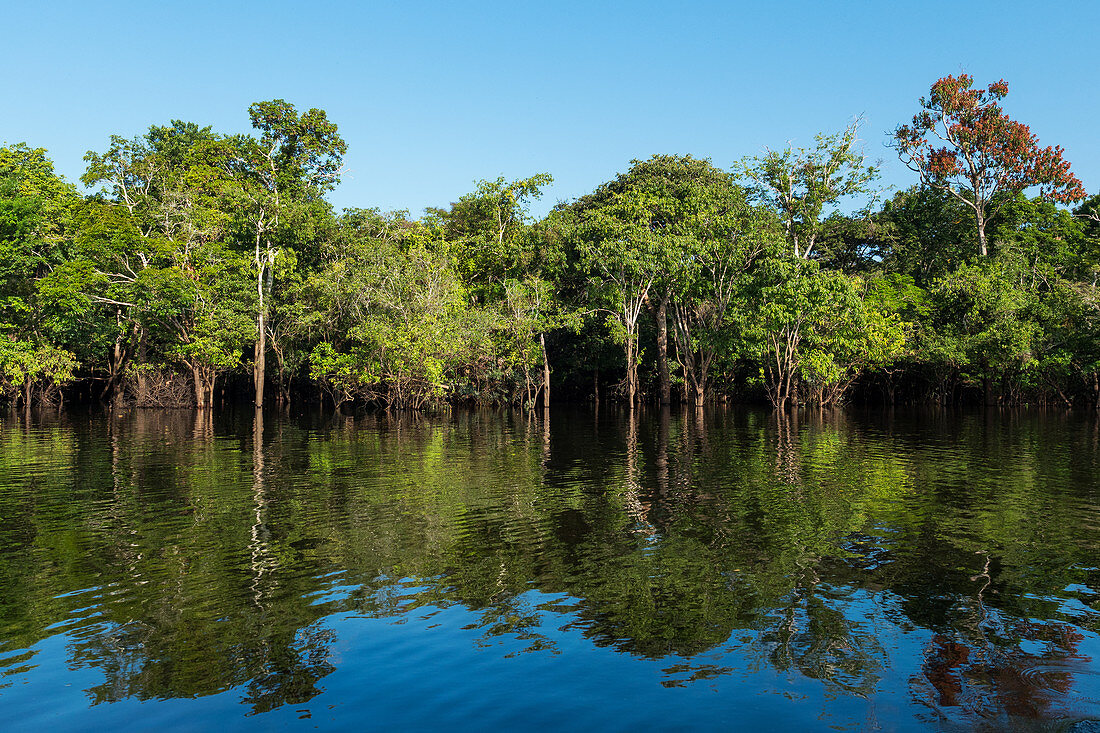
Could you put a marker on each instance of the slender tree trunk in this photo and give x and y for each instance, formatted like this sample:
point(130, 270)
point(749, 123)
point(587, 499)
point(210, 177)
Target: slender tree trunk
point(545, 372)
point(631, 369)
point(981, 222)
point(114, 366)
point(258, 363)
point(260, 354)
point(662, 352)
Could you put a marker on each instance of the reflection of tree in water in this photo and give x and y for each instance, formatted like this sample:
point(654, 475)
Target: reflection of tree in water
point(690, 538)
point(811, 632)
point(980, 669)
point(788, 463)
point(980, 679)
point(198, 603)
point(289, 667)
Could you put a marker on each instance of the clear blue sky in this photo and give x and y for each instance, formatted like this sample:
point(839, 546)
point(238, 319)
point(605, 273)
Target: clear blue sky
point(432, 96)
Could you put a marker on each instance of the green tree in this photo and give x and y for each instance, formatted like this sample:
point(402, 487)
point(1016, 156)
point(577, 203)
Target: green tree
point(926, 233)
point(36, 226)
point(816, 326)
point(396, 324)
point(501, 260)
point(154, 256)
point(982, 323)
point(277, 179)
point(486, 230)
point(621, 249)
point(801, 184)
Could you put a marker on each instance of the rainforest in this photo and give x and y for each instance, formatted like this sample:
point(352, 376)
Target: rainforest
point(197, 269)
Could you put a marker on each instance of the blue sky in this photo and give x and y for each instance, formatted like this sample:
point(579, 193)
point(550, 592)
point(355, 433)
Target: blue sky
point(433, 96)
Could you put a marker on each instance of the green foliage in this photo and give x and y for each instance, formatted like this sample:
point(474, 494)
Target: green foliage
point(488, 232)
point(802, 184)
point(203, 257)
point(395, 322)
point(27, 368)
point(818, 326)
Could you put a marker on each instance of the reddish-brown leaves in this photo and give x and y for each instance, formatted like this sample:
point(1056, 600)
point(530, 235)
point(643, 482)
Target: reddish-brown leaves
point(986, 152)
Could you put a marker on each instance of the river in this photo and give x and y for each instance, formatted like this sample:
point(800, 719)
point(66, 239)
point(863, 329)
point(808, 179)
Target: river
point(585, 570)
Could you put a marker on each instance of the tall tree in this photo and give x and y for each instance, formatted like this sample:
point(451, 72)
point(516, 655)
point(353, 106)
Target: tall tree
point(802, 183)
point(498, 256)
point(36, 208)
point(618, 237)
point(486, 229)
point(158, 221)
point(711, 237)
point(293, 162)
point(962, 142)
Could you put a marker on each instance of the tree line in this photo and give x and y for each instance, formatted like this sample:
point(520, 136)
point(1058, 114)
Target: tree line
point(207, 267)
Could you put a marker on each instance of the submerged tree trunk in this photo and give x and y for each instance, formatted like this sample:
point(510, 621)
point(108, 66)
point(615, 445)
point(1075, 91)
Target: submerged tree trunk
point(700, 391)
point(204, 378)
point(258, 360)
point(662, 352)
point(119, 356)
point(631, 370)
point(260, 353)
point(283, 379)
point(545, 372)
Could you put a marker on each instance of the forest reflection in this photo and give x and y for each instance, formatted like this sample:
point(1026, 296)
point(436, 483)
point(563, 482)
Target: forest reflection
point(184, 554)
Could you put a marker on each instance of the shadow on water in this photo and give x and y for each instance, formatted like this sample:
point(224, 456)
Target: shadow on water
point(931, 567)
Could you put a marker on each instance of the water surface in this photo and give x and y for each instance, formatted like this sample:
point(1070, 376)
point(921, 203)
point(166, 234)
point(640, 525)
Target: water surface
point(859, 571)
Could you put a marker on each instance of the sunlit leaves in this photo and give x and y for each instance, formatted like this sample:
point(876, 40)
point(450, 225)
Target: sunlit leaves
point(962, 142)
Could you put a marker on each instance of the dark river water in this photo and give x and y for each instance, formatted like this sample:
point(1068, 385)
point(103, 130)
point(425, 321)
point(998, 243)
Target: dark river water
point(489, 570)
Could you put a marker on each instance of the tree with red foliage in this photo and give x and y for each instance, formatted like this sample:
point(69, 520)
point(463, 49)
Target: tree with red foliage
point(963, 143)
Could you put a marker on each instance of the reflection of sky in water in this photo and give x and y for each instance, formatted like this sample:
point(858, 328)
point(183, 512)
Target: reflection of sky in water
point(478, 572)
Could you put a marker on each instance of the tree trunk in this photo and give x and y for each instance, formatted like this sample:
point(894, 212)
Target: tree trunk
point(545, 372)
point(260, 353)
point(980, 220)
point(631, 370)
point(987, 391)
point(200, 387)
point(662, 352)
point(259, 356)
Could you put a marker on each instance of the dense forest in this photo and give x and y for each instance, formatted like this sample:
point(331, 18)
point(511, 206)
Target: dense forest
point(207, 268)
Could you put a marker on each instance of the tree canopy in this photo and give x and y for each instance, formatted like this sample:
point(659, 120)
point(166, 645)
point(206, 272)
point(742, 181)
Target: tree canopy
point(204, 266)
